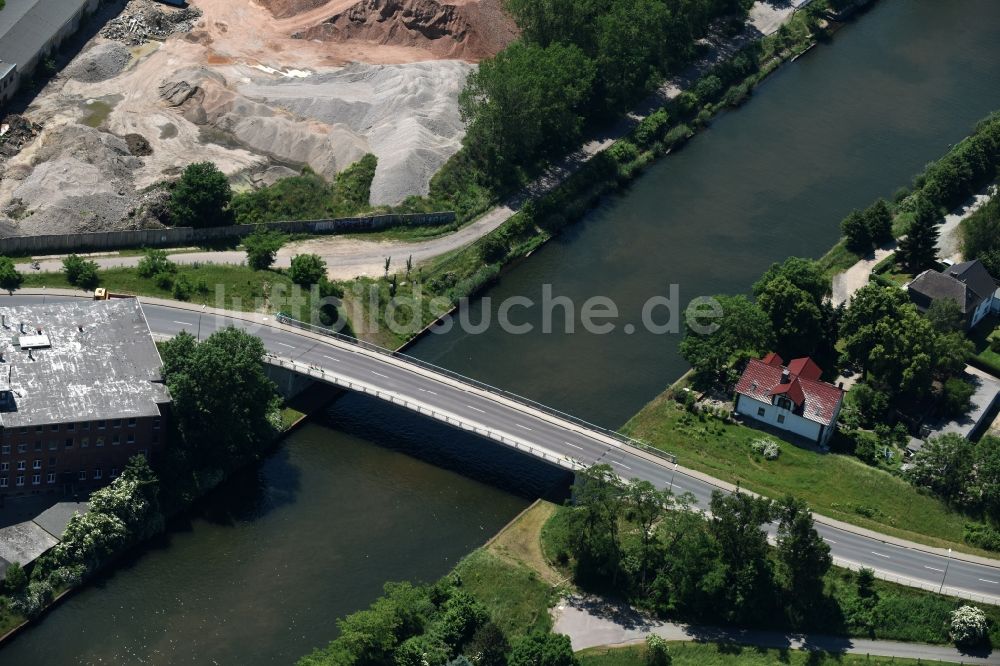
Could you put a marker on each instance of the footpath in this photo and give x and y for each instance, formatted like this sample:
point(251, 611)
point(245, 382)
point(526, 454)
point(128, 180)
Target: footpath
point(591, 622)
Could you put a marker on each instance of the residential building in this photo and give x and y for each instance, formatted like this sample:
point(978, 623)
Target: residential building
point(81, 392)
point(968, 284)
point(29, 31)
point(791, 397)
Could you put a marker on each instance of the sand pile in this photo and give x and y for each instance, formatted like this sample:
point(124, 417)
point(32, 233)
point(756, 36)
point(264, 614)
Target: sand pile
point(79, 179)
point(282, 9)
point(470, 31)
point(406, 114)
point(99, 63)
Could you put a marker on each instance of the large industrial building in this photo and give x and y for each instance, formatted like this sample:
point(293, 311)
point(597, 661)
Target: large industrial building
point(81, 392)
point(29, 31)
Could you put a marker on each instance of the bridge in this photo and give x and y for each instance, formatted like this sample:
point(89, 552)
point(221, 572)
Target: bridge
point(557, 438)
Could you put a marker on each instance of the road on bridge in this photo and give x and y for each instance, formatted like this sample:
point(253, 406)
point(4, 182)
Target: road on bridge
point(913, 564)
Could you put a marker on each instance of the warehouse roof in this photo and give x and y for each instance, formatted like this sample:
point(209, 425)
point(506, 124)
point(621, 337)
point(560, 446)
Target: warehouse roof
point(78, 361)
point(26, 26)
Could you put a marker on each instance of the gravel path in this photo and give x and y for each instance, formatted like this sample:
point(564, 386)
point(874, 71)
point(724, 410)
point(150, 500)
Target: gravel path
point(591, 623)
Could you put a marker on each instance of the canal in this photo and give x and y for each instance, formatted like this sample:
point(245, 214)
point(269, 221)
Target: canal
point(259, 575)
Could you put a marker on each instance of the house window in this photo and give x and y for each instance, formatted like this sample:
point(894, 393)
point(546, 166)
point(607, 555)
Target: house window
point(36, 479)
point(3, 481)
point(114, 472)
point(101, 425)
point(20, 465)
point(131, 438)
point(53, 445)
point(51, 478)
point(36, 464)
point(781, 418)
point(70, 427)
point(97, 472)
point(19, 481)
point(52, 462)
point(55, 427)
point(22, 447)
point(38, 445)
point(84, 443)
point(99, 442)
point(760, 411)
point(82, 475)
point(144, 453)
point(85, 425)
point(118, 423)
point(38, 428)
point(116, 440)
point(131, 423)
point(69, 442)
point(785, 403)
point(6, 449)
point(156, 424)
point(24, 430)
point(4, 467)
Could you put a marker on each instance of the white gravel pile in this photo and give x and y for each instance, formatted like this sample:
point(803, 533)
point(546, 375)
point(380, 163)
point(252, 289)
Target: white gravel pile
point(100, 63)
point(407, 115)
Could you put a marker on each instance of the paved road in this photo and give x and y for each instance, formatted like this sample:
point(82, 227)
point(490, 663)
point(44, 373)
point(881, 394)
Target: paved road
point(557, 439)
point(591, 623)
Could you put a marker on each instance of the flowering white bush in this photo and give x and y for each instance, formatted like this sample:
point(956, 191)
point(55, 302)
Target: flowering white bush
point(767, 448)
point(968, 625)
point(34, 599)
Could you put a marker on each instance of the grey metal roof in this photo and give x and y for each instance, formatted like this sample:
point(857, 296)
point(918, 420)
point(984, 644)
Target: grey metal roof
point(102, 363)
point(931, 285)
point(27, 25)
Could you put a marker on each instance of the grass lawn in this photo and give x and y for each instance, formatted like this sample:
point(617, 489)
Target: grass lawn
point(834, 485)
point(838, 259)
point(227, 286)
point(981, 336)
point(8, 618)
point(714, 654)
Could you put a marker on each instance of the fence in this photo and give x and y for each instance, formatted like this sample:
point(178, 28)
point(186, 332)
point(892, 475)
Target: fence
point(526, 402)
point(174, 236)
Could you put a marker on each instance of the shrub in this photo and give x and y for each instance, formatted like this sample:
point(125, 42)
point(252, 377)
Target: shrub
point(201, 197)
point(968, 626)
point(10, 278)
point(155, 262)
point(164, 280)
point(657, 653)
point(651, 127)
point(80, 272)
point(262, 246)
point(957, 397)
point(768, 448)
point(307, 269)
point(493, 249)
point(15, 580)
point(182, 288)
point(34, 599)
point(982, 536)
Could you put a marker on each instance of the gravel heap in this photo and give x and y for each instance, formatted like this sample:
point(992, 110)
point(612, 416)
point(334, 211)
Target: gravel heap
point(17, 131)
point(100, 63)
point(144, 20)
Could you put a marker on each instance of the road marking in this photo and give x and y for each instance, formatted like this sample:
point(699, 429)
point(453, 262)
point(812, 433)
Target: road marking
point(423, 390)
point(331, 358)
point(934, 569)
point(829, 540)
point(522, 426)
point(880, 555)
point(622, 465)
point(285, 345)
point(575, 446)
point(183, 323)
point(475, 409)
point(380, 374)
point(989, 581)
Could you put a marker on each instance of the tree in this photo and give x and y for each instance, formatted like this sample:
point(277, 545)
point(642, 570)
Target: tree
point(10, 278)
point(596, 521)
point(878, 219)
point(743, 331)
point(981, 234)
point(856, 232)
point(80, 272)
point(803, 556)
point(657, 651)
point(155, 262)
point(307, 269)
point(797, 320)
point(918, 249)
point(743, 577)
point(646, 506)
point(805, 274)
point(224, 405)
point(201, 197)
point(969, 626)
point(489, 646)
point(945, 315)
point(944, 465)
point(262, 246)
point(542, 649)
point(15, 580)
point(957, 397)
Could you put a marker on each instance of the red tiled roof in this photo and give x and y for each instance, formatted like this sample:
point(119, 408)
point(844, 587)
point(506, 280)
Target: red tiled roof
point(762, 381)
point(792, 390)
point(805, 367)
point(774, 359)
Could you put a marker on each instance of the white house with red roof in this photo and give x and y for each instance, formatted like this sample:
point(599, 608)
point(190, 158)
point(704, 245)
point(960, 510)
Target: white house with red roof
point(789, 397)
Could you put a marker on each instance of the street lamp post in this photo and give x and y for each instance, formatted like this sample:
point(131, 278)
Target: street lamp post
point(672, 478)
point(945, 576)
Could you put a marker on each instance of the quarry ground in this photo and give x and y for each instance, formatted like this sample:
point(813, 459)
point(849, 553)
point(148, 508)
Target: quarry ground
point(260, 94)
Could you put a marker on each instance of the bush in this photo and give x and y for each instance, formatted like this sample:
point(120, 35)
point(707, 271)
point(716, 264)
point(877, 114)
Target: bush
point(768, 448)
point(540, 649)
point(957, 397)
point(968, 626)
point(493, 249)
point(155, 262)
point(34, 599)
point(982, 536)
point(651, 127)
point(15, 580)
point(657, 653)
point(182, 288)
point(80, 272)
point(262, 246)
point(307, 269)
point(10, 278)
point(201, 197)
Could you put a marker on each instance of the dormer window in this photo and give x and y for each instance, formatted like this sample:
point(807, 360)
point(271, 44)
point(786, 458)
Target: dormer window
point(784, 403)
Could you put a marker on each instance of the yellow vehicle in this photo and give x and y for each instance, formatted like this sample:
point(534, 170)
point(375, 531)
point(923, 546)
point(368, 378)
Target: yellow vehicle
point(101, 294)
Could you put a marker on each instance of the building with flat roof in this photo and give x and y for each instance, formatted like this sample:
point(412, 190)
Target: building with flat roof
point(81, 392)
point(29, 31)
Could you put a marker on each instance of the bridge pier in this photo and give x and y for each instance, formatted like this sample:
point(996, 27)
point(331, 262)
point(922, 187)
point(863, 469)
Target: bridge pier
point(289, 382)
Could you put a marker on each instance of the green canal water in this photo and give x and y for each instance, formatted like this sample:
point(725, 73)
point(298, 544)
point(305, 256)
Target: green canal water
point(260, 573)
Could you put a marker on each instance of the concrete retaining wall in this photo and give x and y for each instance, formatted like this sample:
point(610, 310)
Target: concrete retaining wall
point(114, 240)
